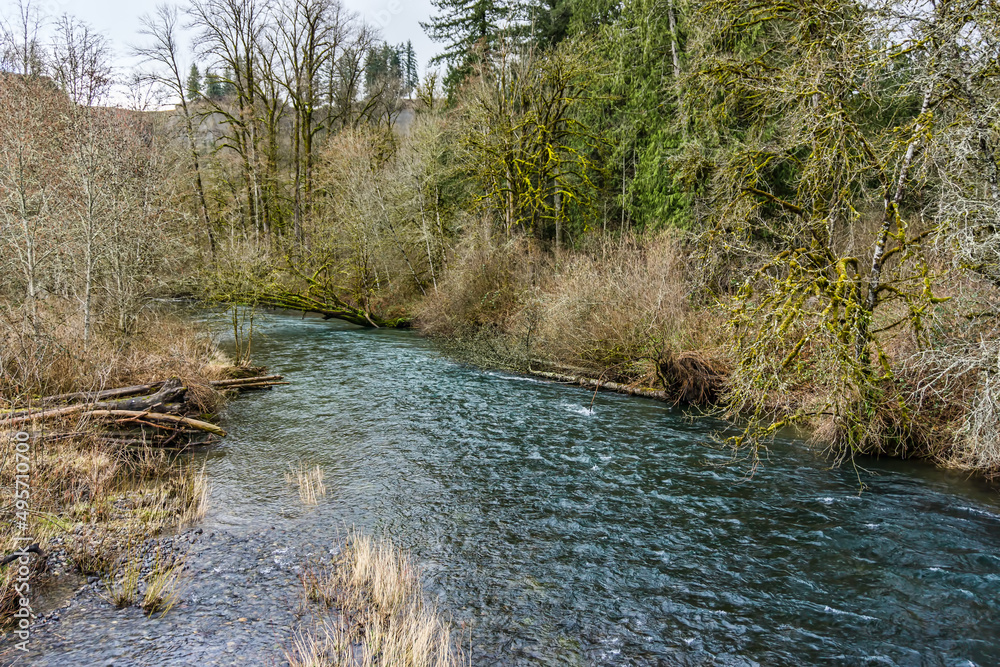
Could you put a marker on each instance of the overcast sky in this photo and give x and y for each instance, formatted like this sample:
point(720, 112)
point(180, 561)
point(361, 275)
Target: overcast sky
point(399, 20)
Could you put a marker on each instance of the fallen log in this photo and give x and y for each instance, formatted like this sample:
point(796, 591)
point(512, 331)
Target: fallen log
point(164, 409)
point(169, 391)
point(308, 305)
point(227, 384)
point(333, 309)
point(254, 387)
point(130, 437)
point(156, 416)
point(562, 369)
point(135, 390)
point(591, 383)
point(89, 396)
point(27, 416)
point(172, 389)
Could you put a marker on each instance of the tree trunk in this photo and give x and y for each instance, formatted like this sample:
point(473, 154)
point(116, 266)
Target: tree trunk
point(199, 185)
point(890, 215)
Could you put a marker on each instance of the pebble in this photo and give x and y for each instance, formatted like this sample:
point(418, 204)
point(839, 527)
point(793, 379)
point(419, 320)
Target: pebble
point(225, 585)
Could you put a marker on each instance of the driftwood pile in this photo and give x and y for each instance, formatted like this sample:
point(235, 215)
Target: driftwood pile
point(164, 414)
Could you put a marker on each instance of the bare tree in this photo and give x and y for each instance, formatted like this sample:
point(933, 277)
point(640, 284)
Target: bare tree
point(312, 33)
point(20, 49)
point(230, 36)
point(344, 78)
point(524, 141)
point(81, 62)
point(31, 174)
point(963, 371)
point(163, 53)
point(135, 216)
point(271, 112)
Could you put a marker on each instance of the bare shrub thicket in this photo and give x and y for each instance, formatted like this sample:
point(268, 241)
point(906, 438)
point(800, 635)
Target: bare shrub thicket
point(955, 378)
point(621, 310)
point(86, 236)
point(378, 237)
point(625, 304)
point(485, 286)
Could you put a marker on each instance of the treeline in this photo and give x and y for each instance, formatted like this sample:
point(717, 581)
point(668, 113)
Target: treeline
point(830, 168)
point(86, 210)
point(788, 210)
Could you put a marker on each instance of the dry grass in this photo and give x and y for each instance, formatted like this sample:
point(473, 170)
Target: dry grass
point(618, 303)
point(121, 582)
point(157, 591)
point(100, 501)
point(163, 585)
point(51, 358)
point(93, 551)
point(619, 311)
point(193, 497)
point(382, 618)
point(308, 481)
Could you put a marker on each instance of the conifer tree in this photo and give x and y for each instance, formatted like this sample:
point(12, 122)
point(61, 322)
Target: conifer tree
point(410, 64)
point(394, 60)
point(214, 88)
point(550, 21)
point(194, 83)
point(228, 88)
point(378, 64)
point(467, 27)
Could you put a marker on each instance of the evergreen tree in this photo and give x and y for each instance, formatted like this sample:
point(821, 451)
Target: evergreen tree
point(468, 26)
point(589, 17)
point(228, 87)
point(388, 62)
point(550, 21)
point(640, 117)
point(410, 61)
point(394, 60)
point(375, 67)
point(214, 89)
point(194, 83)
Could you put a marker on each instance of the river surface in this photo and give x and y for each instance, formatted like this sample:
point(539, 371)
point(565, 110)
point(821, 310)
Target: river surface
point(556, 534)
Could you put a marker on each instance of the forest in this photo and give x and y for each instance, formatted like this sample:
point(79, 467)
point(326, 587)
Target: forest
point(783, 213)
point(780, 214)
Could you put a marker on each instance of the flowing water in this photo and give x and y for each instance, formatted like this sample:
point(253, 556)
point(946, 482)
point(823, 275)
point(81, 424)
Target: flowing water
point(559, 534)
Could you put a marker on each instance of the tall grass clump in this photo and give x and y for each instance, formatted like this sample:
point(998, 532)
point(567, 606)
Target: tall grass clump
point(163, 585)
point(309, 483)
point(121, 583)
point(193, 497)
point(382, 619)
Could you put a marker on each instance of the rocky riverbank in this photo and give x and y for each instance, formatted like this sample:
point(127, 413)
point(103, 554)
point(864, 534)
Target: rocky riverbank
point(240, 602)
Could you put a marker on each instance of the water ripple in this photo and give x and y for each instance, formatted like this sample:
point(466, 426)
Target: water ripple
point(565, 536)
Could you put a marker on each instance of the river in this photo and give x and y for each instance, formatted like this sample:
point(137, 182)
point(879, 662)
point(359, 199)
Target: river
point(557, 534)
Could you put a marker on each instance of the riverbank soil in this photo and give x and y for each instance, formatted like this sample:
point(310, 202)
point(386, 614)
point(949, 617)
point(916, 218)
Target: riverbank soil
point(89, 496)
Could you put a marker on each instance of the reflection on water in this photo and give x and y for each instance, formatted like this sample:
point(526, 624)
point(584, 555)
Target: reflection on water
point(557, 534)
